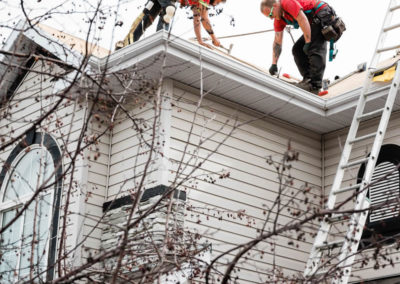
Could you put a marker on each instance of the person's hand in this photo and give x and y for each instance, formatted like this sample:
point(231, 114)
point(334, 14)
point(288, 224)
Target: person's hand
point(306, 47)
point(204, 44)
point(273, 69)
point(216, 42)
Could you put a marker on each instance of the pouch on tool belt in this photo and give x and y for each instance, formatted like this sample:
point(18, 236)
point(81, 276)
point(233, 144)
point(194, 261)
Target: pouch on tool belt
point(332, 26)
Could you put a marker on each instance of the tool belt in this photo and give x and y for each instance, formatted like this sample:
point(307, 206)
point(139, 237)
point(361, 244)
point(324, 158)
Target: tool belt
point(332, 25)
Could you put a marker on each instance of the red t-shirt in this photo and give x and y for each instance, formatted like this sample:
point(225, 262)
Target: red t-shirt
point(292, 7)
point(195, 3)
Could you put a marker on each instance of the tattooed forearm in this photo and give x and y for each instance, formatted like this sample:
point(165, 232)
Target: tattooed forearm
point(277, 49)
point(207, 26)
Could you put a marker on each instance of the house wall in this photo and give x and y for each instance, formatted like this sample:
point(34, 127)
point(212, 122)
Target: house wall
point(33, 98)
point(229, 211)
point(226, 211)
point(332, 148)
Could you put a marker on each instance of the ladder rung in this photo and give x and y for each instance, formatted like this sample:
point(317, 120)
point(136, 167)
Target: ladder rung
point(330, 245)
point(394, 8)
point(338, 217)
point(349, 188)
point(370, 114)
point(362, 161)
point(388, 48)
point(392, 27)
point(361, 138)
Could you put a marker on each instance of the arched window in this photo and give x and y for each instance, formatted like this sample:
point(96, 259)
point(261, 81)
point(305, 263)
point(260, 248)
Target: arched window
point(384, 193)
point(29, 203)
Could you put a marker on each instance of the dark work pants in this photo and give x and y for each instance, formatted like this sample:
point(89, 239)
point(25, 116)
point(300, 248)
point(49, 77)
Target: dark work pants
point(312, 66)
point(157, 10)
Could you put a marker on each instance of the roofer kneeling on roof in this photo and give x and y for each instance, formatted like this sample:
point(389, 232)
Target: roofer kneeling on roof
point(153, 8)
point(166, 10)
point(318, 23)
point(200, 14)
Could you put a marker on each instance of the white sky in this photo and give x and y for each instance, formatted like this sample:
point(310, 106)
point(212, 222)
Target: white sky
point(363, 19)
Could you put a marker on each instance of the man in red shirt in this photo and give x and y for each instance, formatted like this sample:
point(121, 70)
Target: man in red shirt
point(310, 49)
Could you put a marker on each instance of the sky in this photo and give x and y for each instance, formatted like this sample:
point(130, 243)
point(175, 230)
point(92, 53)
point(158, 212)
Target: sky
point(363, 19)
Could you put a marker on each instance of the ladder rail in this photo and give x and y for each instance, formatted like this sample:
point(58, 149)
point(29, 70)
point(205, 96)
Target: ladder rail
point(382, 36)
point(357, 220)
point(351, 243)
point(325, 226)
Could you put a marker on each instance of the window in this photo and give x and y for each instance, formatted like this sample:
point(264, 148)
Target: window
point(28, 237)
point(384, 188)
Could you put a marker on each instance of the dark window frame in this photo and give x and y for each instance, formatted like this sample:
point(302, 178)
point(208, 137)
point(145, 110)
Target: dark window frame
point(37, 138)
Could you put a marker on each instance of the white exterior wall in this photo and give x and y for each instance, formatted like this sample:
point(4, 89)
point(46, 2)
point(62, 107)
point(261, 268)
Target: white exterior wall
point(94, 183)
point(130, 146)
point(32, 99)
point(332, 149)
point(251, 184)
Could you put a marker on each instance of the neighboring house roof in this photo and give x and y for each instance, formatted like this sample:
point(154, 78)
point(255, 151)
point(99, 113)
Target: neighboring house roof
point(76, 43)
point(235, 81)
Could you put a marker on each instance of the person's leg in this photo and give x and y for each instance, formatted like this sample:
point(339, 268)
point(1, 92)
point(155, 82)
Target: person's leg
point(317, 56)
point(300, 58)
point(148, 19)
point(164, 4)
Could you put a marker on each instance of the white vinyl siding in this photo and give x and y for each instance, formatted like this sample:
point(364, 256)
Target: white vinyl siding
point(32, 99)
point(216, 206)
point(130, 150)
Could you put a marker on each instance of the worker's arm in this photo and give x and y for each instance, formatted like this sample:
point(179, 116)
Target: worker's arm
point(207, 25)
point(197, 26)
point(277, 47)
point(304, 25)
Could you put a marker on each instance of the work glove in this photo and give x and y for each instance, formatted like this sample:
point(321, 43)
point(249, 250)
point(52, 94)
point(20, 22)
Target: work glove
point(306, 47)
point(273, 69)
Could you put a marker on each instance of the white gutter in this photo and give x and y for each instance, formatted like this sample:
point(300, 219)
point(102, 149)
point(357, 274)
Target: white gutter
point(217, 63)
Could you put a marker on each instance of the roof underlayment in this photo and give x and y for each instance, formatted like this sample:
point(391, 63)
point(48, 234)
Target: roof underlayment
point(223, 76)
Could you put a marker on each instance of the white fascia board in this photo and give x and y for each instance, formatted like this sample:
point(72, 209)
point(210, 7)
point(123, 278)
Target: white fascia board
point(226, 67)
point(246, 75)
point(216, 63)
point(133, 51)
point(259, 81)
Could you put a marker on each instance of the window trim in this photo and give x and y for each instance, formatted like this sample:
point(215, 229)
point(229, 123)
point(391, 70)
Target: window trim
point(33, 140)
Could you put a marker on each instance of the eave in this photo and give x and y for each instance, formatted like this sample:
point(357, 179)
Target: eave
point(238, 82)
point(232, 80)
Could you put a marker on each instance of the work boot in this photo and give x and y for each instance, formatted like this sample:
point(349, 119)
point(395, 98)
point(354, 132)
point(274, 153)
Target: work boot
point(308, 86)
point(119, 45)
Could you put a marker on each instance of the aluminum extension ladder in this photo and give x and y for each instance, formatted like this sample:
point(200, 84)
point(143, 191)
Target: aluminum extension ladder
point(347, 243)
